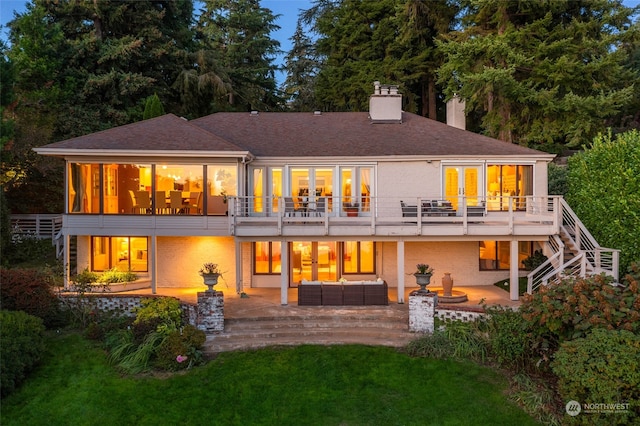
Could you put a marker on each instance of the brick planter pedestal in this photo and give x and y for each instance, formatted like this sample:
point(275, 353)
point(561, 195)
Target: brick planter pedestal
point(422, 309)
point(210, 311)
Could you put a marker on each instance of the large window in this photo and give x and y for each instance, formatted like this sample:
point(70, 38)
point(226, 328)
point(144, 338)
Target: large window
point(495, 255)
point(121, 253)
point(358, 257)
point(267, 258)
point(162, 188)
point(504, 181)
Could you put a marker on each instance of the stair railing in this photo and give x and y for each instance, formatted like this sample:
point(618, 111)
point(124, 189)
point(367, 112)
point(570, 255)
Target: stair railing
point(591, 258)
point(536, 278)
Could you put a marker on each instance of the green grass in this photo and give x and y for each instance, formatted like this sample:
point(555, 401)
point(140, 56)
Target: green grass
point(522, 285)
point(305, 385)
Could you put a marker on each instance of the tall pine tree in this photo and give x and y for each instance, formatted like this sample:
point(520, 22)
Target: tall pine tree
point(240, 30)
point(301, 67)
point(544, 74)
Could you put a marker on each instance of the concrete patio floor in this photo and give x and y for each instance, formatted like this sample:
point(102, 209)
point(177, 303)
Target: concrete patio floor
point(266, 301)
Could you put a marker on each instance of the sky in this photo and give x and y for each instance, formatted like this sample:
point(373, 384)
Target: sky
point(288, 9)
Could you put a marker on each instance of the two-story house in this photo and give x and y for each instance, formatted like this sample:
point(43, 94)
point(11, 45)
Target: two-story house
point(275, 198)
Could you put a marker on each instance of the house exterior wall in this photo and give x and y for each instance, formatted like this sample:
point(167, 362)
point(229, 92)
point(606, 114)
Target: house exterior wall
point(180, 259)
point(408, 179)
point(461, 259)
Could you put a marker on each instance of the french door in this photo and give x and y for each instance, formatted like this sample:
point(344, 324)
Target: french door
point(463, 181)
point(313, 261)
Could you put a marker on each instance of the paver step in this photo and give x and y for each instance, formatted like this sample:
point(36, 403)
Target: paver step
point(252, 333)
point(270, 324)
point(218, 344)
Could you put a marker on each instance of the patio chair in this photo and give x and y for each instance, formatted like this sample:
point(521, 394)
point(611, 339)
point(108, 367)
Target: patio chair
point(319, 207)
point(289, 207)
point(407, 210)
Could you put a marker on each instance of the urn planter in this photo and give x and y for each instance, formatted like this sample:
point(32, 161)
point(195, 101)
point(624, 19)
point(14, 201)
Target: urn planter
point(210, 280)
point(423, 280)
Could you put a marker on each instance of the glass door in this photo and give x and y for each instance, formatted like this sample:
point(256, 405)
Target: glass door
point(460, 182)
point(313, 261)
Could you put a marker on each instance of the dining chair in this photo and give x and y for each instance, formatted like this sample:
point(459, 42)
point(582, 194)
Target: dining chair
point(160, 202)
point(177, 206)
point(142, 201)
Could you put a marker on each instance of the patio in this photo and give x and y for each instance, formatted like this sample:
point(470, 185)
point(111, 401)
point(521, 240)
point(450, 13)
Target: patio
point(265, 302)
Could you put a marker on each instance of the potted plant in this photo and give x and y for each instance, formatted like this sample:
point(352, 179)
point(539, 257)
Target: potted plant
point(423, 276)
point(351, 209)
point(210, 273)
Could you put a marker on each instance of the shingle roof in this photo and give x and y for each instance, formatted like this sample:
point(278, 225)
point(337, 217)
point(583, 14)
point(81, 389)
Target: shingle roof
point(287, 134)
point(164, 133)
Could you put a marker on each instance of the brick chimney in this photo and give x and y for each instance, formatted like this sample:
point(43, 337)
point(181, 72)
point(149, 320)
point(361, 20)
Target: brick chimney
point(385, 105)
point(455, 113)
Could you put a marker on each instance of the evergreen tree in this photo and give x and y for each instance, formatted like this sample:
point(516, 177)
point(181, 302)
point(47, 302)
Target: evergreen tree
point(301, 66)
point(544, 74)
point(153, 107)
point(392, 41)
point(240, 30)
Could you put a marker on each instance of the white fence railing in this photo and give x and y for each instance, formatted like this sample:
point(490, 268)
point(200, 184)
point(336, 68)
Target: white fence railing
point(590, 257)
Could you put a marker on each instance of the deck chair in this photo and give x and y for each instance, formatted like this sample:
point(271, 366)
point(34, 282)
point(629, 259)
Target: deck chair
point(319, 207)
point(289, 207)
point(408, 211)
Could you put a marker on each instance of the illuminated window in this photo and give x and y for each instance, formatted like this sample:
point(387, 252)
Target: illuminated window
point(121, 253)
point(495, 255)
point(504, 181)
point(267, 258)
point(358, 257)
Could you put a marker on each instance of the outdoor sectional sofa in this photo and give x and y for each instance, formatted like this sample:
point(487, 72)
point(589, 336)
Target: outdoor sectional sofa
point(353, 293)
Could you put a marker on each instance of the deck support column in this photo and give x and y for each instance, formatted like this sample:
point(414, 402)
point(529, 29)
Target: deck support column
point(400, 254)
point(284, 272)
point(66, 259)
point(154, 264)
point(513, 271)
point(239, 280)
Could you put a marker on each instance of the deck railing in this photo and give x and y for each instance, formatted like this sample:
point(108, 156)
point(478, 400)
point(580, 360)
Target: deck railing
point(39, 225)
point(407, 212)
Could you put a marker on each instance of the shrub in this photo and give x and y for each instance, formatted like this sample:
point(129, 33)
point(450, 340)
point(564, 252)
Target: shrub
point(604, 182)
point(509, 339)
point(572, 308)
point(22, 337)
point(31, 291)
point(164, 311)
point(601, 368)
point(535, 260)
point(27, 247)
point(181, 349)
point(455, 339)
point(155, 332)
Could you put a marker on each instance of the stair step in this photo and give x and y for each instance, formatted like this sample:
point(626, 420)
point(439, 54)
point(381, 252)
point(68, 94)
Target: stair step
point(241, 326)
point(252, 333)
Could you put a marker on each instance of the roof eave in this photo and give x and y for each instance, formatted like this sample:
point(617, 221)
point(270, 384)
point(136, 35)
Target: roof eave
point(63, 152)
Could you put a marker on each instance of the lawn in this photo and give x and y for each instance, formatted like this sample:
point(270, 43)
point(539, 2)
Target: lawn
point(305, 385)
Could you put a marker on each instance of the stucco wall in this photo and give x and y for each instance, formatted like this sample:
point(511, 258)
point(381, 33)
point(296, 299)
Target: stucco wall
point(458, 258)
point(180, 259)
point(409, 179)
